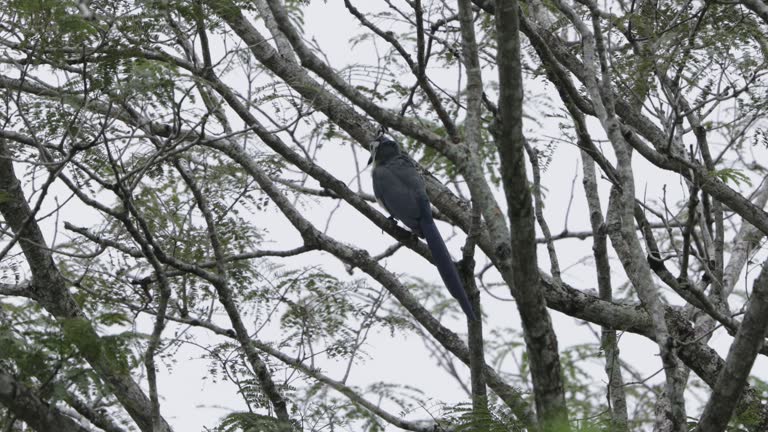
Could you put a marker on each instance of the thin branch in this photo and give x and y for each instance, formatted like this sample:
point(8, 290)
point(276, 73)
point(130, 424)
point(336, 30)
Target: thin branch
point(741, 357)
point(35, 412)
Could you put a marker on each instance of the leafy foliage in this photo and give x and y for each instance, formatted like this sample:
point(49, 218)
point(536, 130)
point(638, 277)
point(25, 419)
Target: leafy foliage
point(116, 107)
point(249, 422)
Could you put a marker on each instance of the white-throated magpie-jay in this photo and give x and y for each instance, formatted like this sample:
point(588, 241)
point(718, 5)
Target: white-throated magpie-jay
point(400, 189)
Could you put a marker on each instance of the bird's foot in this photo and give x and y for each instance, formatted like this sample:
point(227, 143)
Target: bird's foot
point(391, 219)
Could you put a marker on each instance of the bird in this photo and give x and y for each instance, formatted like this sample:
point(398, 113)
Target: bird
point(399, 188)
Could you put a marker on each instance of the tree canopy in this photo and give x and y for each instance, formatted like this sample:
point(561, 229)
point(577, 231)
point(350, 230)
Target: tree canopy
point(189, 176)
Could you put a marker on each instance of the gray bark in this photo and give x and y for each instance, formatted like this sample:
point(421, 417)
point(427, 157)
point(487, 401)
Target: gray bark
point(608, 340)
point(540, 338)
point(36, 413)
point(741, 356)
point(49, 288)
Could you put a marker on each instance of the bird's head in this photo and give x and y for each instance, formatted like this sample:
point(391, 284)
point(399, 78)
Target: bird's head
point(383, 148)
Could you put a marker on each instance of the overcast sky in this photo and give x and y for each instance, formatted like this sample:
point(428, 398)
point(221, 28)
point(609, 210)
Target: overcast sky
point(191, 398)
point(191, 401)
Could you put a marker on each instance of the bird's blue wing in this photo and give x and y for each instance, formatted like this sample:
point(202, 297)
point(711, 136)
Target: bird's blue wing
point(400, 189)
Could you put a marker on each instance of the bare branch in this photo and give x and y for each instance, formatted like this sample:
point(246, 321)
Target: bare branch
point(741, 357)
point(50, 290)
point(37, 413)
point(547, 377)
point(608, 340)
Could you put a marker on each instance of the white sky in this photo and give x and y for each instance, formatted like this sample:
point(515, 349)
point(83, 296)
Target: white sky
point(191, 401)
point(406, 361)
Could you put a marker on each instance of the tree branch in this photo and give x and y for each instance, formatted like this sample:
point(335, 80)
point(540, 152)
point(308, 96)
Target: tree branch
point(540, 338)
point(741, 356)
point(50, 290)
point(27, 406)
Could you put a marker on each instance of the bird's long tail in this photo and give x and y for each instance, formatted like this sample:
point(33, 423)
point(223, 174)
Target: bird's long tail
point(445, 265)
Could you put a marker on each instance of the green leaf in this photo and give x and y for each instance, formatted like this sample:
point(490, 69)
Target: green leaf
point(113, 318)
point(252, 422)
point(731, 175)
point(79, 332)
